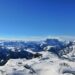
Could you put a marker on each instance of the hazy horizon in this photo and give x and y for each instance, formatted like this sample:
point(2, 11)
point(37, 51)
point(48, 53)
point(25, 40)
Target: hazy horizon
point(38, 38)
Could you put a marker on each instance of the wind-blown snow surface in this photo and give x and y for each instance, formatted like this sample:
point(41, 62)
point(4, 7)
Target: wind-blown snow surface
point(49, 64)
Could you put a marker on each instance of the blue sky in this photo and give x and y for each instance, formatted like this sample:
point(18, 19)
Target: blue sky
point(25, 18)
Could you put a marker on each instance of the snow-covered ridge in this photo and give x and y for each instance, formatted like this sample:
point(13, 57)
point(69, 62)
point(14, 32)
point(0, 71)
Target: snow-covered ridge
point(46, 57)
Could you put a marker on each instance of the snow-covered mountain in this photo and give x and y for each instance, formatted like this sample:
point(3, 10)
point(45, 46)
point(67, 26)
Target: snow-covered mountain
point(44, 57)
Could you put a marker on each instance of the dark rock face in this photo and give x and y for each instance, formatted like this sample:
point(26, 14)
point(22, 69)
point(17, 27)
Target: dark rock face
point(21, 54)
point(62, 50)
point(37, 55)
point(54, 42)
point(6, 54)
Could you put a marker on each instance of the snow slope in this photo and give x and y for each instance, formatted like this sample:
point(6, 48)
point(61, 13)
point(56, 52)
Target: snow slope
point(47, 64)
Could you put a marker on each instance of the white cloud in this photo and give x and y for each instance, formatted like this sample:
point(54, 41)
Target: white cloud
point(38, 38)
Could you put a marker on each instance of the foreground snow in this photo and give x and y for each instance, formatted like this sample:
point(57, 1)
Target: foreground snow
point(49, 64)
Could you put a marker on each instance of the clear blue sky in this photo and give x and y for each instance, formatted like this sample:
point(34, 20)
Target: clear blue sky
point(20, 18)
